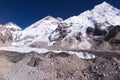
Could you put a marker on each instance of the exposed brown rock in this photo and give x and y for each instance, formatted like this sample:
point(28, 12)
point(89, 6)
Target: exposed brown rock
point(53, 66)
point(5, 36)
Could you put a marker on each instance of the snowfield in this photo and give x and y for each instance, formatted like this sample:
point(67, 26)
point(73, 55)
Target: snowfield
point(23, 49)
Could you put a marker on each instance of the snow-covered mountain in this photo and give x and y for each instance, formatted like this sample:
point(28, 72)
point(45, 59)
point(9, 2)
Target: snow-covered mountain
point(12, 26)
point(9, 33)
point(78, 32)
point(39, 31)
point(91, 29)
point(14, 29)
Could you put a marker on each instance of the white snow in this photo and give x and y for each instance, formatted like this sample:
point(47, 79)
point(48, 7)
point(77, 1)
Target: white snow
point(42, 27)
point(14, 29)
point(39, 31)
point(12, 25)
point(103, 14)
point(106, 13)
point(83, 55)
point(26, 49)
point(23, 49)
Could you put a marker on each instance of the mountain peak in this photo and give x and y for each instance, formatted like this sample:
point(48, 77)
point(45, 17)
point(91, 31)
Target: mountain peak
point(11, 25)
point(48, 18)
point(52, 18)
point(103, 6)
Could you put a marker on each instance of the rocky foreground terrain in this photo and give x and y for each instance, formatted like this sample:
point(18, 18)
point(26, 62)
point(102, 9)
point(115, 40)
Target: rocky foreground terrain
point(60, 66)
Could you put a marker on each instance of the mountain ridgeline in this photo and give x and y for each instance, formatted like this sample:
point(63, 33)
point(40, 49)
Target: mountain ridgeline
point(98, 28)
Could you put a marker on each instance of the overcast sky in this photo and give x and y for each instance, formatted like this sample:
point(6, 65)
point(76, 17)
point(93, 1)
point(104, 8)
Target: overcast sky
point(26, 12)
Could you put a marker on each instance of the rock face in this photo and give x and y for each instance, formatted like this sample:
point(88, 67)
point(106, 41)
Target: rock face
point(103, 69)
point(9, 33)
point(14, 29)
point(69, 37)
point(6, 37)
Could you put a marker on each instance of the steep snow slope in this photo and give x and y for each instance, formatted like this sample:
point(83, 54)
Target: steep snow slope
point(106, 14)
point(9, 33)
point(14, 29)
point(39, 31)
point(78, 32)
point(12, 26)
